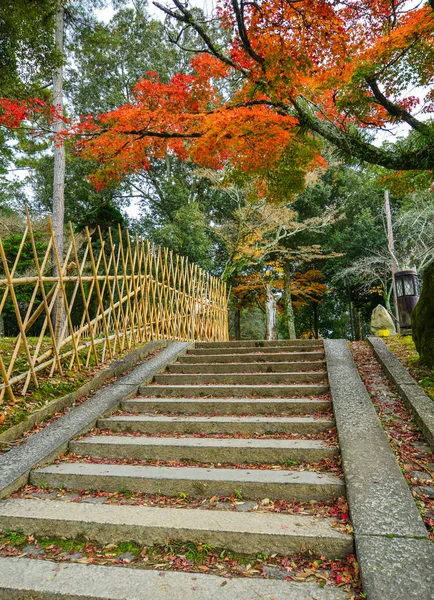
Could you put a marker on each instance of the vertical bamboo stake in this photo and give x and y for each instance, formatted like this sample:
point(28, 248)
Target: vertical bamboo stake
point(60, 273)
point(7, 385)
point(112, 307)
point(98, 291)
point(127, 287)
point(137, 316)
point(83, 294)
point(17, 314)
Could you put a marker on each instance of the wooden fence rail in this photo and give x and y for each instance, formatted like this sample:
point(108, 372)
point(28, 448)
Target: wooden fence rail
point(110, 291)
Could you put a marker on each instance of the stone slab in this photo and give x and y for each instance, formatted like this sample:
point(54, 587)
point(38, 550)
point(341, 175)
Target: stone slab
point(415, 399)
point(393, 367)
point(381, 505)
point(194, 481)
point(25, 579)
point(396, 568)
point(380, 500)
point(212, 424)
point(270, 367)
point(248, 533)
point(239, 378)
point(259, 343)
point(52, 441)
point(422, 407)
point(258, 357)
point(227, 405)
point(218, 391)
point(202, 449)
point(261, 350)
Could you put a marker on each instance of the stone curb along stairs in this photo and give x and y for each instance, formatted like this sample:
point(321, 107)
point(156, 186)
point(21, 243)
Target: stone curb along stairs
point(419, 403)
point(393, 548)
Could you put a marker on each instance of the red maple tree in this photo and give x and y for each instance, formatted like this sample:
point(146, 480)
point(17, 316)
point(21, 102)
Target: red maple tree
point(330, 68)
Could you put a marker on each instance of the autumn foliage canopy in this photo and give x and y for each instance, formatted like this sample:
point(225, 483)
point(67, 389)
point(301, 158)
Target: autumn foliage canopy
point(299, 70)
point(291, 72)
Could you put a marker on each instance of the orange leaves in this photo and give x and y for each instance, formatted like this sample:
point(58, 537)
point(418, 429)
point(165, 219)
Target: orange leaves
point(188, 117)
point(250, 137)
point(310, 60)
point(308, 287)
point(14, 112)
point(208, 67)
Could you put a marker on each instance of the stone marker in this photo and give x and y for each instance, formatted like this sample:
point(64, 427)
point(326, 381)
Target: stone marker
point(381, 320)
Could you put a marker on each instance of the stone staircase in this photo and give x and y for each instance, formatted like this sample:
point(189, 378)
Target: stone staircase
point(217, 413)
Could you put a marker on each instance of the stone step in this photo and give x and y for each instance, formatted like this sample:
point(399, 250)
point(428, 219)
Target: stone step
point(239, 378)
point(254, 350)
point(247, 533)
point(207, 450)
point(227, 406)
point(197, 482)
point(190, 425)
point(265, 357)
point(235, 391)
point(277, 367)
point(260, 344)
point(28, 579)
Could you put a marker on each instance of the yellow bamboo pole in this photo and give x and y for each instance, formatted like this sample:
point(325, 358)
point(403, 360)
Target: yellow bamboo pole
point(18, 315)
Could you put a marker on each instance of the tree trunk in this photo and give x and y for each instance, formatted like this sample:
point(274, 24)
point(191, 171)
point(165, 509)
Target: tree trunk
point(350, 306)
point(315, 320)
point(357, 325)
point(237, 323)
point(422, 319)
point(2, 326)
point(59, 167)
point(289, 310)
point(270, 314)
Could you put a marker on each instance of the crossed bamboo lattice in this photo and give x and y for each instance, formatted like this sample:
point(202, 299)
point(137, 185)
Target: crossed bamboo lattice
point(129, 292)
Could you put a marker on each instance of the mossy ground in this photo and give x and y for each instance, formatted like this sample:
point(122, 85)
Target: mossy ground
point(404, 348)
point(50, 388)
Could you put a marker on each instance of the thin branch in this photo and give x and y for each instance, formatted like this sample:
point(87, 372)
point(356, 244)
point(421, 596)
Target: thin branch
point(397, 111)
point(187, 17)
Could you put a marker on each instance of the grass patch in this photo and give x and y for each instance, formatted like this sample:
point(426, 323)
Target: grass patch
point(50, 388)
point(403, 347)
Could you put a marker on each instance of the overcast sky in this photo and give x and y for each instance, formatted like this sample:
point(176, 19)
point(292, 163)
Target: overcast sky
point(206, 5)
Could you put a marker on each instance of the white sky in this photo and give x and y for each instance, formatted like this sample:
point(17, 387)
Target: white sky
point(206, 5)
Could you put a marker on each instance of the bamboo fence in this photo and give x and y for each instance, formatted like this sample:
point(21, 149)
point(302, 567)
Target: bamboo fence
point(122, 290)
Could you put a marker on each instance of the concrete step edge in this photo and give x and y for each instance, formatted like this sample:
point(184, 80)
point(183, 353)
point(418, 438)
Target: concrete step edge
point(24, 578)
point(276, 367)
point(233, 390)
point(240, 532)
point(196, 482)
point(203, 450)
point(213, 425)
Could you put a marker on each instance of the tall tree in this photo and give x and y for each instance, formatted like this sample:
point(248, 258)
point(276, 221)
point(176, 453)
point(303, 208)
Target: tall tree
point(59, 146)
point(28, 53)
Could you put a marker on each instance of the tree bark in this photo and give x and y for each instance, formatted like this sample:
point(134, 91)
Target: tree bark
point(357, 325)
point(422, 319)
point(270, 313)
point(350, 306)
point(237, 323)
point(59, 166)
point(289, 311)
point(315, 319)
